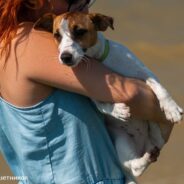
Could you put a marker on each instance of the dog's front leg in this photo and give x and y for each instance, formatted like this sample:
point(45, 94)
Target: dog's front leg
point(137, 70)
point(172, 111)
point(116, 110)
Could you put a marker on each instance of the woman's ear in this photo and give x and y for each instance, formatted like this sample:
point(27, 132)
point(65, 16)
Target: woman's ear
point(45, 22)
point(102, 22)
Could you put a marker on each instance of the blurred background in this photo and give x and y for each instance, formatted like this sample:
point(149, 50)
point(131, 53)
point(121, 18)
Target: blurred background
point(154, 31)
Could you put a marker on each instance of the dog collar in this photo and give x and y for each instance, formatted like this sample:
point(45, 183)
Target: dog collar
point(106, 51)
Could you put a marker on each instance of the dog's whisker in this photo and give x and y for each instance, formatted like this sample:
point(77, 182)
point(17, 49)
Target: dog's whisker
point(86, 57)
point(85, 60)
point(86, 63)
point(55, 58)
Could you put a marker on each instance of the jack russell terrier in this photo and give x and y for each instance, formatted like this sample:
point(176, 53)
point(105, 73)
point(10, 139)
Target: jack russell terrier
point(137, 142)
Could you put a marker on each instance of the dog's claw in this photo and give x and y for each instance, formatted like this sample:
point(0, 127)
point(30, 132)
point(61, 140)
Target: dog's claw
point(173, 112)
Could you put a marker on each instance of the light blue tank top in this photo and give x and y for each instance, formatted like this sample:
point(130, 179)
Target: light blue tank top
point(60, 140)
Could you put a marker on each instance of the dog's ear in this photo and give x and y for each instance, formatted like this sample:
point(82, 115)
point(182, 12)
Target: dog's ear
point(45, 22)
point(102, 22)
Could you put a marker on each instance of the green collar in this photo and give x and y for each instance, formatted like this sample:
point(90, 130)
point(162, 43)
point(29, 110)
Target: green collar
point(106, 51)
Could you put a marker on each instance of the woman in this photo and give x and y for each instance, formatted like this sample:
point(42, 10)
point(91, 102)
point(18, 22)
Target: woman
point(47, 134)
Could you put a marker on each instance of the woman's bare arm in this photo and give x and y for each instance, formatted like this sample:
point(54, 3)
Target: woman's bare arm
point(104, 85)
point(91, 79)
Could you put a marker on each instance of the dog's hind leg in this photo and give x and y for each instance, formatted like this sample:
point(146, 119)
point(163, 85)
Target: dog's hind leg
point(139, 165)
point(125, 149)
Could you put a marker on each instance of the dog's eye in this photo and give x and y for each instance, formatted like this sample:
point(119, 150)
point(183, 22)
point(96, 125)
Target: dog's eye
point(57, 35)
point(79, 32)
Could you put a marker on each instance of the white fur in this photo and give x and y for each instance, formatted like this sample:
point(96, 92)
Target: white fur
point(118, 110)
point(68, 45)
point(134, 140)
point(168, 105)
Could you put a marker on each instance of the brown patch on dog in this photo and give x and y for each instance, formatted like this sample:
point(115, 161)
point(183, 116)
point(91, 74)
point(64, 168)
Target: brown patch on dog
point(83, 27)
point(154, 154)
point(102, 22)
point(56, 27)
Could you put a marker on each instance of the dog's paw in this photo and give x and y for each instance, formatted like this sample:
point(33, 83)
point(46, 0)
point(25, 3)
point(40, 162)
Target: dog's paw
point(121, 111)
point(172, 111)
point(117, 110)
point(137, 170)
point(139, 165)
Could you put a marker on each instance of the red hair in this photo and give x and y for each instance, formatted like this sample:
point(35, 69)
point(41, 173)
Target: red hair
point(11, 14)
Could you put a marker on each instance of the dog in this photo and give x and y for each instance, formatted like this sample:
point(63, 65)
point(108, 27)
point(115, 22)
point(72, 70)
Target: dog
point(137, 142)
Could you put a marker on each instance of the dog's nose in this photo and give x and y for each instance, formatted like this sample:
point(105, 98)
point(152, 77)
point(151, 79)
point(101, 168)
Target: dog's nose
point(66, 57)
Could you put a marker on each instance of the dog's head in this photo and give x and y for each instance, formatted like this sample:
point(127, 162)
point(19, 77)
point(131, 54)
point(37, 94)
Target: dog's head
point(75, 33)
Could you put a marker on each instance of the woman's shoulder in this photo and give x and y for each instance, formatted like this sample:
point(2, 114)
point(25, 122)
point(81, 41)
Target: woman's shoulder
point(29, 49)
point(43, 42)
point(37, 42)
point(35, 45)
point(41, 35)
